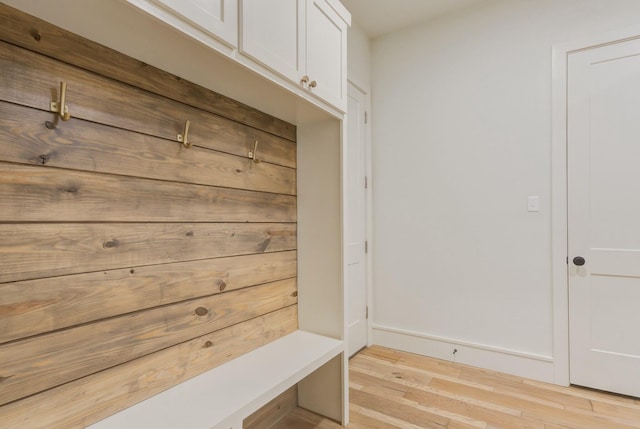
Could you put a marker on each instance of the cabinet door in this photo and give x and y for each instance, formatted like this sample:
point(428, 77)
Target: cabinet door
point(217, 18)
point(271, 32)
point(326, 53)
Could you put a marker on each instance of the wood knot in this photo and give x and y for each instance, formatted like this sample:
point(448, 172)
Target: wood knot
point(238, 171)
point(222, 285)
point(111, 244)
point(208, 344)
point(70, 190)
point(43, 159)
point(36, 35)
point(295, 294)
point(189, 234)
point(264, 245)
point(201, 311)
point(132, 271)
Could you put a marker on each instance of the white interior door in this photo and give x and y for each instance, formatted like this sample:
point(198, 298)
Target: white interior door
point(356, 221)
point(604, 217)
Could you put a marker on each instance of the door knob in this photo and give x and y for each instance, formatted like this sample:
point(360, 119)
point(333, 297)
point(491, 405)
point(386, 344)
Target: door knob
point(579, 261)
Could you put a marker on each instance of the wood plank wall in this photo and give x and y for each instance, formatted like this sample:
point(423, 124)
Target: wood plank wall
point(130, 263)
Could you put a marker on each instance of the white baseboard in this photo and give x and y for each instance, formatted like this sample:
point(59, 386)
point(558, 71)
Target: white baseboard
point(526, 365)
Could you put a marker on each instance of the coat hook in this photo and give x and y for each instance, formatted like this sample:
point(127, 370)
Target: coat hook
point(184, 137)
point(60, 107)
point(254, 153)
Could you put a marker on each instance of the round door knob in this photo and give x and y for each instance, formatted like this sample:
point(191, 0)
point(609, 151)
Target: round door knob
point(579, 261)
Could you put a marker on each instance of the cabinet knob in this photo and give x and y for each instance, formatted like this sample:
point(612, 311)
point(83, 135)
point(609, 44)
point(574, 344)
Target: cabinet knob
point(313, 84)
point(304, 79)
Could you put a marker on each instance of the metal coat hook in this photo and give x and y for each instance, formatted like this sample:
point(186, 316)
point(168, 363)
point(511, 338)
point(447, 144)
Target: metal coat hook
point(60, 107)
point(184, 137)
point(254, 153)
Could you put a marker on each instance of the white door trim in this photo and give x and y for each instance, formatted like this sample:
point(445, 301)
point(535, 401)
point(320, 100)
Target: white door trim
point(559, 192)
point(368, 166)
point(368, 207)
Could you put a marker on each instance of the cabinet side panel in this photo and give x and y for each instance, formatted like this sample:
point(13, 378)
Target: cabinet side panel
point(320, 269)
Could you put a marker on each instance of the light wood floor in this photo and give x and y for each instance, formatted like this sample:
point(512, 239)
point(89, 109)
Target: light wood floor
point(392, 389)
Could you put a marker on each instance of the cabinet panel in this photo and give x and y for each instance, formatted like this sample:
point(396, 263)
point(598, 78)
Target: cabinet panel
point(326, 52)
point(272, 34)
point(210, 18)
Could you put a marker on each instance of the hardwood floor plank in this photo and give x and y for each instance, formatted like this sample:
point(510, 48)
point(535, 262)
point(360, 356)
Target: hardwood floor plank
point(391, 389)
point(372, 419)
point(399, 410)
point(555, 414)
point(371, 383)
point(496, 400)
point(517, 387)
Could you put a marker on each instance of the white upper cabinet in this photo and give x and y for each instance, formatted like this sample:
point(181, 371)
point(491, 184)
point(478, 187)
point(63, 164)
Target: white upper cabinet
point(271, 32)
point(304, 41)
point(300, 44)
point(209, 21)
point(326, 53)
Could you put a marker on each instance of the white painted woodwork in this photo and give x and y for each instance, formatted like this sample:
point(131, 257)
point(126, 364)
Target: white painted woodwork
point(320, 154)
point(300, 38)
point(603, 185)
point(321, 274)
point(204, 20)
point(232, 391)
point(272, 33)
point(326, 52)
point(356, 285)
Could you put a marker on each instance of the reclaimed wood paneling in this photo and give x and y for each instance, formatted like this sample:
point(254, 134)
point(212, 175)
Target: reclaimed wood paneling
point(32, 80)
point(37, 306)
point(275, 410)
point(35, 364)
point(39, 36)
point(87, 400)
point(82, 145)
point(42, 194)
point(129, 262)
point(30, 251)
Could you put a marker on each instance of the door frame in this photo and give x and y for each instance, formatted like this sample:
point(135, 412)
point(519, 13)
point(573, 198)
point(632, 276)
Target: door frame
point(559, 190)
point(368, 208)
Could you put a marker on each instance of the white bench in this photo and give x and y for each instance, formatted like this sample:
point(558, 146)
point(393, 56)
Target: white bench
point(224, 396)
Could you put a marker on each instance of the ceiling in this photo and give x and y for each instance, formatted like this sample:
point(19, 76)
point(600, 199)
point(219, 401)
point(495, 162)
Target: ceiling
point(378, 17)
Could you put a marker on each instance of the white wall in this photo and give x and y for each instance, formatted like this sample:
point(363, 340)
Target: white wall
point(359, 57)
point(461, 137)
